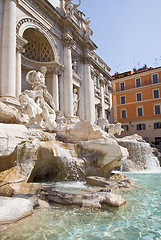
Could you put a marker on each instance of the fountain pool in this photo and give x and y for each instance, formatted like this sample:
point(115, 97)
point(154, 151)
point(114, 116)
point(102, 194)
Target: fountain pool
point(139, 219)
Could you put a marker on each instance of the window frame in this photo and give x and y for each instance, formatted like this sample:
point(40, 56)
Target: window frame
point(97, 81)
point(125, 127)
point(123, 85)
point(154, 94)
point(140, 107)
point(137, 95)
point(142, 126)
point(136, 82)
point(153, 79)
point(122, 113)
point(121, 99)
point(157, 125)
point(157, 105)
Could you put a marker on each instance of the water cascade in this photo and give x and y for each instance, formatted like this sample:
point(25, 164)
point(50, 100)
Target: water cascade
point(141, 157)
point(73, 168)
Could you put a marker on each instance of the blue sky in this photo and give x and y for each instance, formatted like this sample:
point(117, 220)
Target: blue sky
point(127, 32)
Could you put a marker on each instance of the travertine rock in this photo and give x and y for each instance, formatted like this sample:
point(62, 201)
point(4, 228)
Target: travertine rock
point(37, 156)
point(82, 130)
point(14, 209)
point(102, 156)
point(6, 189)
point(8, 114)
point(94, 200)
point(11, 135)
point(111, 184)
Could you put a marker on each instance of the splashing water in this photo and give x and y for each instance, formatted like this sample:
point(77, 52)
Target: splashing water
point(141, 157)
point(73, 167)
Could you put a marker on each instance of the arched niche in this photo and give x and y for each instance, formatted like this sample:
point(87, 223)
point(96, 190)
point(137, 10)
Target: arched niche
point(40, 50)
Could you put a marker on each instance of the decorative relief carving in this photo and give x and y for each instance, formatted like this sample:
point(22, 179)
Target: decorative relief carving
point(102, 80)
point(55, 70)
point(87, 58)
point(20, 48)
point(68, 41)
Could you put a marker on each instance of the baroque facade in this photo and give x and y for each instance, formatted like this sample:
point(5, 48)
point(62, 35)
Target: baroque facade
point(54, 34)
point(137, 102)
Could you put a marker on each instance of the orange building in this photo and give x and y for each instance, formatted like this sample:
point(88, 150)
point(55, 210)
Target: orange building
point(137, 102)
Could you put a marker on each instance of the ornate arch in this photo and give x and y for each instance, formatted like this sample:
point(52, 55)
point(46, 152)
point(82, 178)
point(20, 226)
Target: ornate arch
point(27, 22)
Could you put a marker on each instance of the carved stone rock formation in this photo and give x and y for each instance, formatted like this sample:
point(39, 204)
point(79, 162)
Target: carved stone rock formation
point(8, 114)
point(94, 200)
point(14, 209)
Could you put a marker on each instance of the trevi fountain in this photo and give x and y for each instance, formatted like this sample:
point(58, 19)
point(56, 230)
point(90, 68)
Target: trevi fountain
point(69, 179)
point(63, 175)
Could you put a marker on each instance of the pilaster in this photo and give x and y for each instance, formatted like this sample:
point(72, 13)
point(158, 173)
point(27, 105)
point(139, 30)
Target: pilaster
point(102, 85)
point(55, 87)
point(89, 90)
point(1, 22)
point(20, 42)
point(68, 76)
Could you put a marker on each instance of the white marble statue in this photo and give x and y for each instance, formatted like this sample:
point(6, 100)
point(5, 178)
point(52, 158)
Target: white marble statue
point(113, 129)
point(75, 101)
point(88, 32)
point(75, 65)
point(69, 8)
point(103, 123)
point(38, 103)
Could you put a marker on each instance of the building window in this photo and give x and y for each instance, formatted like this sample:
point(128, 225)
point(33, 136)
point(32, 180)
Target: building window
point(123, 113)
point(138, 82)
point(155, 78)
point(157, 109)
point(139, 97)
point(125, 127)
point(97, 81)
point(98, 111)
point(106, 88)
point(123, 100)
point(140, 126)
point(157, 125)
point(139, 111)
point(122, 86)
point(156, 93)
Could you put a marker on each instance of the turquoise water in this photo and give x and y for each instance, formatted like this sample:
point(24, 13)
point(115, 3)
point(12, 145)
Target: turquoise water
point(140, 218)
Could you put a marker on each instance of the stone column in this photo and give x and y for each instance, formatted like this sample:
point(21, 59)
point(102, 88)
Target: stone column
point(61, 93)
point(18, 73)
point(102, 97)
point(8, 71)
point(89, 91)
point(20, 42)
point(55, 87)
point(68, 77)
point(1, 22)
point(19, 51)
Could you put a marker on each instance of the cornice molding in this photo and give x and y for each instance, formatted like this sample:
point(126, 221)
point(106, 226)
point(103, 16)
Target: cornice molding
point(138, 75)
